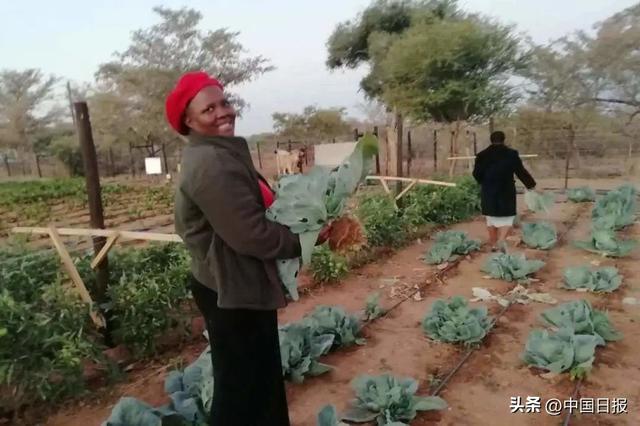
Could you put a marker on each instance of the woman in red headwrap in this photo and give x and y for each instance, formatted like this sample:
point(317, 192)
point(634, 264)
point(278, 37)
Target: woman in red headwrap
point(220, 215)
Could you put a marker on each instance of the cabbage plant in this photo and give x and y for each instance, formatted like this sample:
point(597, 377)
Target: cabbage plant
point(540, 235)
point(453, 321)
point(449, 245)
point(511, 267)
point(580, 317)
point(603, 280)
point(389, 401)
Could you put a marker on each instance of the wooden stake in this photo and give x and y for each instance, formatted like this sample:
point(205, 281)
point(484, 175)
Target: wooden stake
point(385, 186)
point(470, 157)
point(105, 250)
point(424, 181)
point(83, 232)
point(68, 264)
point(409, 153)
point(94, 195)
point(375, 133)
point(435, 150)
point(399, 157)
point(38, 165)
point(404, 191)
point(572, 135)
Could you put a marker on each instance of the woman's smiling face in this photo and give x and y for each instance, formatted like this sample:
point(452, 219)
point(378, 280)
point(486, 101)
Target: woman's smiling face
point(210, 113)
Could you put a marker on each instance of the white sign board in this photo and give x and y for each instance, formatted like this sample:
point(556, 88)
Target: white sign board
point(153, 166)
point(332, 154)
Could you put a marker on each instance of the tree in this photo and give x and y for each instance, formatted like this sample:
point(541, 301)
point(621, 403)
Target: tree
point(353, 43)
point(313, 124)
point(23, 109)
point(368, 39)
point(132, 88)
point(452, 71)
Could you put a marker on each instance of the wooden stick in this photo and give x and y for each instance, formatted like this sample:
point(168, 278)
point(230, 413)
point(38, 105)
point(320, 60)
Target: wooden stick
point(82, 232)
point(473, 157)
point(424, 181)
point(75, 276)
point(404, 191)
point(104, 251)
point(385, 186)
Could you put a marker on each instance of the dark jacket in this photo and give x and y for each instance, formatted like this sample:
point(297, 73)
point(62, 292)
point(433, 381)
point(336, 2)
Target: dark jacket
point(494, 170)
point(220, 215)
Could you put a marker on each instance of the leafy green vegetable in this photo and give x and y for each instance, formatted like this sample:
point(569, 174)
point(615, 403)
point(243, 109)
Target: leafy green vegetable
point(539, 202)
point(539, 235)
point(372, 309)
point(453, 321)
point(581, 194)
point(603, 280)
point(605, 243)
point(305, 203)
point(333, 320)
point(388, 400)
point(580, 317)
point(511, 267)
point(191, 391)
point(328, 416)
point(449, 245)
point(300, 350)
point(616, 209)
point(191, 395)
point(561, 351)
point(132, 412)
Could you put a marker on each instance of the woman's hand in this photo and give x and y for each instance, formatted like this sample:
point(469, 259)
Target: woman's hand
point(324, 234)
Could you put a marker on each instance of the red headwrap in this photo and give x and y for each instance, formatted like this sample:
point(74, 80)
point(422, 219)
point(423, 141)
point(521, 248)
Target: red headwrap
point(186, 89)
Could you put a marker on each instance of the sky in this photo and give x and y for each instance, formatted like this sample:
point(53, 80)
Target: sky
point(71, 38)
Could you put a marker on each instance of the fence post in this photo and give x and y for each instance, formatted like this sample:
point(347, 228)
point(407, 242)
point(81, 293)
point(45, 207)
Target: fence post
point(475, 144)
point(96, 215)
point(132, 163)
point(112, 167)
point(38, 165)
point(164, 157)
point(259, 154)
point(568, 153)
point(435, 150)
point(375, 133)
point(6, 164)
point(410, 153)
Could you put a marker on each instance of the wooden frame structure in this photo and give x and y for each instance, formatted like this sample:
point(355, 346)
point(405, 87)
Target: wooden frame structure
point(412, 182)
point(112, 236)
point(473, 157)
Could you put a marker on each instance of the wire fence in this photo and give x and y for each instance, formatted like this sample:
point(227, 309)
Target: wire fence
point(594, 152)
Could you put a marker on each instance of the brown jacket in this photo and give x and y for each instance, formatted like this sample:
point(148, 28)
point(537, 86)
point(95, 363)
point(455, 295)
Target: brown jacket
point(219, 214)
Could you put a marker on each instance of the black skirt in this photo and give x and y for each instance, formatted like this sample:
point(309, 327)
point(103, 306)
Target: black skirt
point(248, 383)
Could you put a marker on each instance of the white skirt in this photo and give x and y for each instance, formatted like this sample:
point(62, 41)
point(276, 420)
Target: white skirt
point(500, 222)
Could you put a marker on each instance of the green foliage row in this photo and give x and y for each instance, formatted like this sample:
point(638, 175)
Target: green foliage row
point(427, 204)
point(45, 330)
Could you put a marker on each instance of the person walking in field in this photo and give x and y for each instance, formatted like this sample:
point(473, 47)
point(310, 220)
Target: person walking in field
point(494, 170)
point(220, 214)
